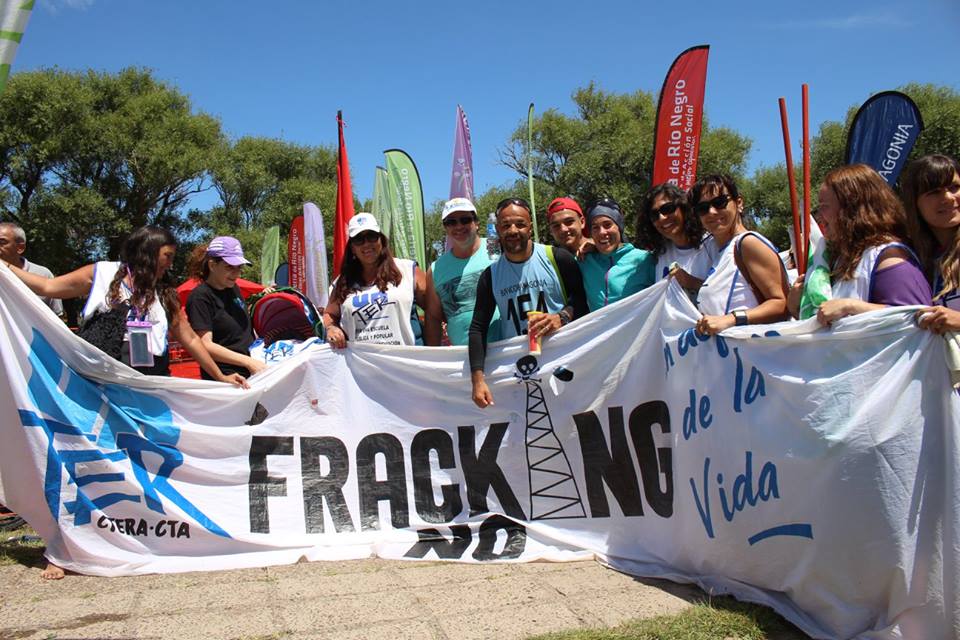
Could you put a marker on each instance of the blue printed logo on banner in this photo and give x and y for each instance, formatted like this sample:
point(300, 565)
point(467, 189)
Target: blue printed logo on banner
point(120, 424)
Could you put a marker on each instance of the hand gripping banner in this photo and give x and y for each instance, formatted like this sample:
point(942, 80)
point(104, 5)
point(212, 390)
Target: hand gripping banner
point(811, 470)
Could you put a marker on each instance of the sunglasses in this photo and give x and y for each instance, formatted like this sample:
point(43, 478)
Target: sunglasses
point(703, 208)
point(365, 237)
point(667, 209)
point(462, 221)
point(506, 202)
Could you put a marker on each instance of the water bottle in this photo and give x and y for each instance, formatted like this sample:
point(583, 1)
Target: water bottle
point(493, 241)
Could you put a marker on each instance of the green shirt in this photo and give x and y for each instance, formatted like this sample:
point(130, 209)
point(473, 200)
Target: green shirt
point(455, 280)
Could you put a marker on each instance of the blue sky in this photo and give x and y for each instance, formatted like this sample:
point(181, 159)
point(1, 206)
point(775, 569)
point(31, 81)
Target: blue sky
point(397, 70)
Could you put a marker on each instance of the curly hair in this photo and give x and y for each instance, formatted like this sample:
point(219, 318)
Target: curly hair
point(198, 263)
point(924, 175)
point(351, 272)
point(139, 258)
point(870, 214)
point(647, 235)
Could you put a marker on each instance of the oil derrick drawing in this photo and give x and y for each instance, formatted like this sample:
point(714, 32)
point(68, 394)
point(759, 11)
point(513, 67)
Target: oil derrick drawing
point(554, 493)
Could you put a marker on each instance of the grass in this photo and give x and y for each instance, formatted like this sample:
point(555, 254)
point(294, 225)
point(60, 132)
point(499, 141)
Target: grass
point(15, 551)
point(720, 619)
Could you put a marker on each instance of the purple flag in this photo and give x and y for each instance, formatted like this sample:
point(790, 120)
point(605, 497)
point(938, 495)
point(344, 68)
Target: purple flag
point(461, 181)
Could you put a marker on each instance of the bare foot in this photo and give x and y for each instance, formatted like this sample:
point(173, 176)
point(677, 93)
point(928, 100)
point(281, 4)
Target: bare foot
point(52, 572)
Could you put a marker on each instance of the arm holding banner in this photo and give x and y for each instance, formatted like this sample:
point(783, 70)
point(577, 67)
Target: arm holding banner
point(940, 320)
point(477, 342)
point(336, 337)
point(227, 356)
point(764, 271)
point(70, 285)
point(183, 333)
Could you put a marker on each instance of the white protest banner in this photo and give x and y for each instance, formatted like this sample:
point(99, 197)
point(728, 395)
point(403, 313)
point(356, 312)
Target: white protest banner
point(810, 470)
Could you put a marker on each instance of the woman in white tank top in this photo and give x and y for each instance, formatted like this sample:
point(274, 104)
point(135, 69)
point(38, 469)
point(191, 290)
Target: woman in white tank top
point(372, 299)
point(747, 283)
point(931, 197)
point(865, 227)
point(668, 228)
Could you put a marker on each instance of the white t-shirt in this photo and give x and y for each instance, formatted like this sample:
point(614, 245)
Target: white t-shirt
point(383, 317)
point(695, 261)
point(103, 274)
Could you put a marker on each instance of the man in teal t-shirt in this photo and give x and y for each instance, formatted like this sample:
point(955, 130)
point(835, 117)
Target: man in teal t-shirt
point(452, 279)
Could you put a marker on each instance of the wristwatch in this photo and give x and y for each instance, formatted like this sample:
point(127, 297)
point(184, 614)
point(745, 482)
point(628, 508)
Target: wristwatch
point(564, 317)
point(740, 318)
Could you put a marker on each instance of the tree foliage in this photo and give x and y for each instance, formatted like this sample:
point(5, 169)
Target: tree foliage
point(85, 157)
point(606, 149)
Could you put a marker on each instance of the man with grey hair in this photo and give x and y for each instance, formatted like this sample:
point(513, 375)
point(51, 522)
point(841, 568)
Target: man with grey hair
point(13, 242)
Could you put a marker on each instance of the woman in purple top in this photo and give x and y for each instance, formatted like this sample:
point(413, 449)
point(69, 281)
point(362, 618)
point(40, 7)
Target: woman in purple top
point(865, 227)
point(931, 197)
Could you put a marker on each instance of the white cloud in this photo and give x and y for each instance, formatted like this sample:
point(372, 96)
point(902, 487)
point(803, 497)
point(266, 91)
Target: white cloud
point(56, 6)
point(844, 23)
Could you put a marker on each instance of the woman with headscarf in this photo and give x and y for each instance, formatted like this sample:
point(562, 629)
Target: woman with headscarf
point(616, 269)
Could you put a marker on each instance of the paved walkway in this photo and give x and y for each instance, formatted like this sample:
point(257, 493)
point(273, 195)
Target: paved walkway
point(355, 599)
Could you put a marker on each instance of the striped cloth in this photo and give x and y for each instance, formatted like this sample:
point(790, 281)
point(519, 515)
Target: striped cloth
point(14, 15)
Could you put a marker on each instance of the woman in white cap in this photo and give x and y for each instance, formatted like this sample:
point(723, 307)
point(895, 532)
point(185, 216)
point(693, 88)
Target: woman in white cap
point(372, 299)
point(215, 307)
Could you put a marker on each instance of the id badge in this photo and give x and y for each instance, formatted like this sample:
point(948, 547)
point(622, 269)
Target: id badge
point(138, 337)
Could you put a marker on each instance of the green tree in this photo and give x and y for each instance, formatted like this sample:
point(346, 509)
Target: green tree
point(766, 195)
point(606, 149)
point(85, 157)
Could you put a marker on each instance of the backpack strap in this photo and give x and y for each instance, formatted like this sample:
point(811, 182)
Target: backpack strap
point(741, 267)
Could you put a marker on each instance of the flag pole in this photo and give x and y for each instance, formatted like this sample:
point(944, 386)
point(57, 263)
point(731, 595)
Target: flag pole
point(802, 262)
point(533, 206)
point(794, 207)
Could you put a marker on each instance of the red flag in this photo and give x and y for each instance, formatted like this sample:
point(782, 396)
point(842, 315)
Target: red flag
point(679, 116)
point(296, 258)
point(344, 201)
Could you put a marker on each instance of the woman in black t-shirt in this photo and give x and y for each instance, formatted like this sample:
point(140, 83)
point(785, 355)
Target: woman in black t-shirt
point(215, 308)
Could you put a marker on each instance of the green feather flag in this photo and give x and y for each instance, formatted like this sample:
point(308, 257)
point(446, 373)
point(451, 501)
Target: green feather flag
point(14, 15)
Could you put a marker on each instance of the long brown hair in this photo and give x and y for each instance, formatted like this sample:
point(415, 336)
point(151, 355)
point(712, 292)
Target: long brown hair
point(924, 175)
point(138, 257)
point(351, 272)
point(198, 264)
point(870, 214)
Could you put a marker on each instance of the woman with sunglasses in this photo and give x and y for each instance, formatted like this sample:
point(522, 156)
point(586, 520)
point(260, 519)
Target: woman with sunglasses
point(748, 282)
point(931, 197)
point(865, 227)
point(373, 297)
point(668, 228)
point(616, 269)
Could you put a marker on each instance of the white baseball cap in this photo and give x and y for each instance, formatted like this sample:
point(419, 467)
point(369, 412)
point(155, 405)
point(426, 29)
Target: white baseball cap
point(360, 223)
point(457, 204)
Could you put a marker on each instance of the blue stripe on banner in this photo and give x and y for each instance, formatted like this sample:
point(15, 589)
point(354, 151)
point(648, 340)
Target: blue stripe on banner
point(798, 530)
